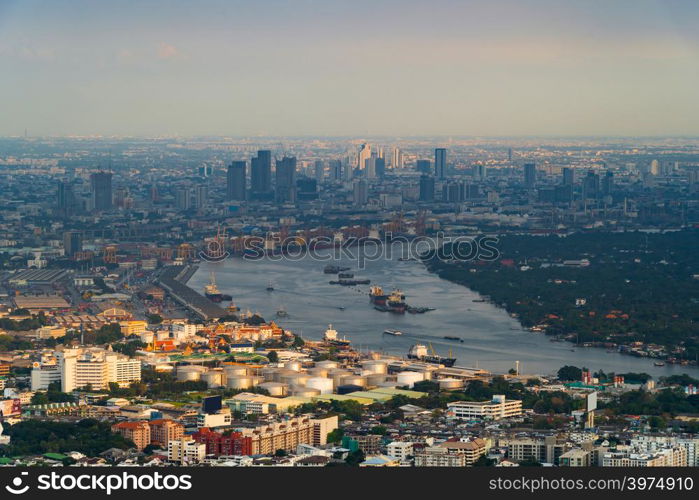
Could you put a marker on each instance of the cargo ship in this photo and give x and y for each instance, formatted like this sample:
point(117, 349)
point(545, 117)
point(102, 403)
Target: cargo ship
point(331, 337)
point(330, 269)
point(419, 352)
point(346, 282)
point(395, 333)
point(396, 302)
point(377, 297)
point(212, 292)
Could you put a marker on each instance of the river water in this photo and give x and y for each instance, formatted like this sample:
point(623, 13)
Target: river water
point(491, 338)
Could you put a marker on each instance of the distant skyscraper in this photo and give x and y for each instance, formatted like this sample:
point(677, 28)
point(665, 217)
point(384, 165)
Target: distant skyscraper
point(370, 167)
point(480, 172)
point(608, 183)
point(235, 180)
point(285, 187)
point(591, 185)
point(65, 198)
point(206, 170)
point(568, 176)
point(183, 198)
point(101, 190)
point(440, 163)
point(335, 170)
point(261, 174)
point(426, 188)
point(380, 166)
point(363, 155)
point(360, 193)
point(397, 158)
point(201, 195)
point(72, 243)
point(509, 154)
point(319, 171)
point(655, 167)
point(424, 166)
point(530, 175)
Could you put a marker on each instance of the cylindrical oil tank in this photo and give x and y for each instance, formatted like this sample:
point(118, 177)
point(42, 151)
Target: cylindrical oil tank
point(274, 388)
point(338, 375)
point(328, 365)
point(281, 373)
point(409, 378)
point(189, 373)
point(213, 378)
point(375, 366)
point(353, 380)
point(346, 389)
point(293, 365)
point(296, 379)
point(318, 372)
point(450, 384)
point(234, 370)
point(269, 373)
point(375, 378)
point(303, 392)
point(324, 385)
point(240, 382)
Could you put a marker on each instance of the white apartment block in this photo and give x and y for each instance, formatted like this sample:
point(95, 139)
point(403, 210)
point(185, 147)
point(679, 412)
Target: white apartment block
point(185, 451)
point(400, 450)
point(630, 457)
point(496, 409)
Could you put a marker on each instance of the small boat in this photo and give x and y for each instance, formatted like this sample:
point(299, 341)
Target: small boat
point(270, 287)
point(281, 313)
point(395, 333)
point(341, 308)
point(457, 339)
point(659, 363)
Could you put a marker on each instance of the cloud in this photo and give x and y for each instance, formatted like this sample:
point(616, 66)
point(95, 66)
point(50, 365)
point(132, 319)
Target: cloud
point(167, 51)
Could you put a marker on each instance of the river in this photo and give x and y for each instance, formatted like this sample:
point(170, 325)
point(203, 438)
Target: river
point(491, 338)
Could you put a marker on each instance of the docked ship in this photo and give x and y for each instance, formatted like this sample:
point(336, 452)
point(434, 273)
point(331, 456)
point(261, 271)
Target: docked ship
point(331, 337)
point(419, 352)
point(377, 296)
point(212, 292)
point(395, 333)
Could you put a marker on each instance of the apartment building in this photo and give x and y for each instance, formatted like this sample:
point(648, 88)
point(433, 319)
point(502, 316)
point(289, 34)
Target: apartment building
point(219, 444)
point(576, 457)
point(164, 430)
point(496, 409)
point(451, 454)
point(138, 432)
point(630, 457)
point(185, 450)
point(544, 450)
point(288, 434)
point(400, 450)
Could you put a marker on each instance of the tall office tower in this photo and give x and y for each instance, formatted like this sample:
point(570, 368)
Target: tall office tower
point(319, 171)
point(261, 174)
point(285, 187)
point(426, 188)
point(335, 170)
point(370, 167)
point(424, 167)
point(72, 243)
point(509, 154)
point(480, 172)
point(206, 170)
point(65, 198)
point(381, 155)
point(380, 166)
point(101, 190)
point(692, 175)
point(529, 175)
point(397, 158)
point(591, 186)
point(183, 200)
point(201, 196)
point(608, 183)
point(453, 192)
point(655, 167)
point(440, 163)
point(363, 155)
point(235, 180)
point(568, 176)
point(360, 193)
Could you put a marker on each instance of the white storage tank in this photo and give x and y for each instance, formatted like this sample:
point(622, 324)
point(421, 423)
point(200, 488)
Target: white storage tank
point(328, 365)
point(303, 392)
point(213, 378)
point(357, 380)
point(323, 385)
point(450, 384)
point(293, 365)
point(296, 379)
point(189, 373)
point(234, 371)
point(374, 379)
point(409, 378)
point(269, 373)
point(274, 388)
point(240, 382)
point(279, 375)
point(318, 372)
point(375, 366)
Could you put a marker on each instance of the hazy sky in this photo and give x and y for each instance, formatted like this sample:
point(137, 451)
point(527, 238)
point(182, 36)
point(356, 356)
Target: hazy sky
point(265, 67)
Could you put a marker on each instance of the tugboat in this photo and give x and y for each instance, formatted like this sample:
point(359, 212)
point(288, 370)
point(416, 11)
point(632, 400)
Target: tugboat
point(419, 352)
point(331, 338)
point(212, 292)
point(395, 333)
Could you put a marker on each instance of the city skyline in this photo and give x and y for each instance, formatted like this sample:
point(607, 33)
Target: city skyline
point(532, 68)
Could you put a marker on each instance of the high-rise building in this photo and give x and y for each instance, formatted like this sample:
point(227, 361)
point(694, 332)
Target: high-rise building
point(285, 178)
point(424, 167)
point(568, 176)
point(380, 166)
point(138, 432)
point(363, 155)
point(529, 175)
point(183, 199)
point(655, 167)
point(235, 180)
point(72, 243)
point(319, 170)
point(201, 196)
point(95, 367)
point(440, 163)
point(65, 198)
point(397, 158)
point(370, 167)
point(480, 172)
point(426, 188)
point(608, 183)
point(261, 174)
point(101, 190)
point(591, 186)
point(360, 193)
point(335, 170)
